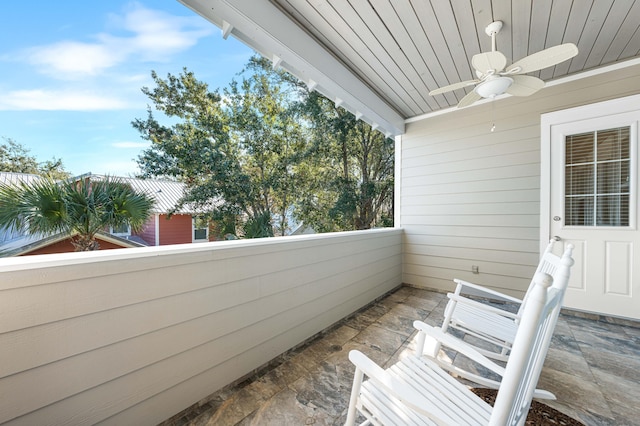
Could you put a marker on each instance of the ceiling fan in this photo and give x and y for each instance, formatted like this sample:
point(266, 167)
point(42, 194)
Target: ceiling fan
point(493, 79)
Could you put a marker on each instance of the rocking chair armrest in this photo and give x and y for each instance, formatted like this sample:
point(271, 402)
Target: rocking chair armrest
point(394, 386)
point(365, 364)
point(483, 306)
point(487, 291)
point(459, 346)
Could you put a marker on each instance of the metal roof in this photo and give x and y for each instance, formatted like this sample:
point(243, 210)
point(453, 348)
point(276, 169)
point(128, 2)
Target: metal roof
point(166, 193)
point(11, 178)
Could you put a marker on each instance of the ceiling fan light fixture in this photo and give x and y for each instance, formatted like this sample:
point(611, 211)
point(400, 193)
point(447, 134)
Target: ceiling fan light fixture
point(493, 87)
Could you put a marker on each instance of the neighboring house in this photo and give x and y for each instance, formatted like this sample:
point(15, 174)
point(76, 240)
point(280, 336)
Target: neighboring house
point(165, 226)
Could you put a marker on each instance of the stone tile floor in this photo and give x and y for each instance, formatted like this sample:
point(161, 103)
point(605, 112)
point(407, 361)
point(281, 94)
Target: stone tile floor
point(593, 368)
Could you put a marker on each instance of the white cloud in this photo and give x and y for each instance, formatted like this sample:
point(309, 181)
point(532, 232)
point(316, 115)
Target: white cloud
point(149, 35)
point(130, 144)
point(39, 99)
point(68, 58)
point(158, 34)
point(105, 70)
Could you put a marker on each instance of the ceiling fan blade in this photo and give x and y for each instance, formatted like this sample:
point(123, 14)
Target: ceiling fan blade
point(454, 86)
point(544, 58)
point(485, 62)
point(524, 85)
point(469, 99)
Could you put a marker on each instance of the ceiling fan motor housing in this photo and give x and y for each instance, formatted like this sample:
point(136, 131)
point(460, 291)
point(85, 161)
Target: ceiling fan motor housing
point(493, 86)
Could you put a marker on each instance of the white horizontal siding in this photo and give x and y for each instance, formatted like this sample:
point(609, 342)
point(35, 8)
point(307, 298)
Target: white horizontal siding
point(134, 336)
point(506, 196)
point(469, 196)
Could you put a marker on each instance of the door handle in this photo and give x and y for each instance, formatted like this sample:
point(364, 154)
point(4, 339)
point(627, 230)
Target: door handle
point(556, 238)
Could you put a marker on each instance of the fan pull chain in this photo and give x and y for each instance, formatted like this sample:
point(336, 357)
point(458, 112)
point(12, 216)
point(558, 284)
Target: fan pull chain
point(493, 115)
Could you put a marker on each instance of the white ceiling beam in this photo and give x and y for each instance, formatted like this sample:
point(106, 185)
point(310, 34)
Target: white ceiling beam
point(226, 29)
point(262, 26)
point(276, 60)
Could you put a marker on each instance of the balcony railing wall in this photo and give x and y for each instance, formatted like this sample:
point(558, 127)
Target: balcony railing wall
point(134, 336)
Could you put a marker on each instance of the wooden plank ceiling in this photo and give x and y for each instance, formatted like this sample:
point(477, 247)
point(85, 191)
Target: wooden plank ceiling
point(402, 49)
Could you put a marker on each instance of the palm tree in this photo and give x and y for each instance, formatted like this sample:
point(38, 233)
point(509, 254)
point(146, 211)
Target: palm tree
point(80, 208)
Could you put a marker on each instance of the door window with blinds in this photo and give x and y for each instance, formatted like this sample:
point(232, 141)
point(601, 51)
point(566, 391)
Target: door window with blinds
point(598, 178)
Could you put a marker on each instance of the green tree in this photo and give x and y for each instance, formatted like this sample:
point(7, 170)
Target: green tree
point(267, 149)
point(197, 150)
point(266, 127)
point(352, 183)
point(81, 208)
point(240, 149)
point(14, 157)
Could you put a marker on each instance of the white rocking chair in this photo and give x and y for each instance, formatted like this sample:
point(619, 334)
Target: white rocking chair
point(493, 325)
point(488, 323)
point(416, 391)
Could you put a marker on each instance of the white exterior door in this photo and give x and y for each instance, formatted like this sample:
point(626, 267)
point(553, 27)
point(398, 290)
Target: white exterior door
point(592, 156)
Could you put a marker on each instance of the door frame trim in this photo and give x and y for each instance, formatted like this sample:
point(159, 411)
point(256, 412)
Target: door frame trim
point(547, 121)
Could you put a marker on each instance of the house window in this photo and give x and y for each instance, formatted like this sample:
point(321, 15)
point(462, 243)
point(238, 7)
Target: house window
point(123, 230)
point(597, 178)
point(200, 229)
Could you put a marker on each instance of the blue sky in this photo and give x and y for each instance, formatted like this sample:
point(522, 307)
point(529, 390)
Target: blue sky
point(71, 74)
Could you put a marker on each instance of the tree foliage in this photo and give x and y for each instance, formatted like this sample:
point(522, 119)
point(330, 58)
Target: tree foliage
point(15, 158)
point(355, 166)
point(266, 150)
point(81, 208)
